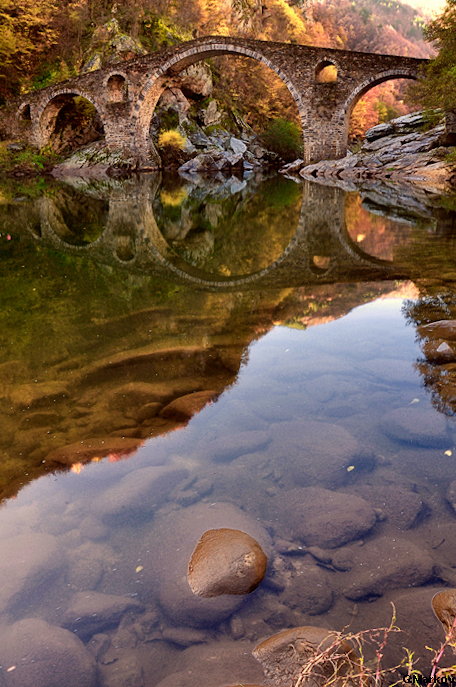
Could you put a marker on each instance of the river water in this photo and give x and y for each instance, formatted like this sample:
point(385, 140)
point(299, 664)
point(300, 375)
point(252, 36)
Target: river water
point(179, 355)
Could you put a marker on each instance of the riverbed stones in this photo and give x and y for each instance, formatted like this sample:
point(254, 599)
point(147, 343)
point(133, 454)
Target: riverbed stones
point(27, 561)
point(318, 453)
point(320, 517)
point(285, 654)
point(217, 664)
point(36, 654)
point(419, 426)
point(167, 552)
point(387, 563)
point(89, 613)
point(141, 491)
point(226, 561)
point(420, 628)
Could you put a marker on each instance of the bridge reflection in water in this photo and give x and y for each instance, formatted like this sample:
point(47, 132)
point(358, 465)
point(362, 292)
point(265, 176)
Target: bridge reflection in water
point(117, 224)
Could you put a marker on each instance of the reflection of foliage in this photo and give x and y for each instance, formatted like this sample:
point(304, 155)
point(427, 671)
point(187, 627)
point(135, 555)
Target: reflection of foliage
point(174, 197)
point(438, 378)
point(430, 308)
point(246, 231)
point(284, 138)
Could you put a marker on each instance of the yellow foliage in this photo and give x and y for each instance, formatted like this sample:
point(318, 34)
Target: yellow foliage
point(171, 139)
point(285, 21)
point(328, 74)
point(173, 198)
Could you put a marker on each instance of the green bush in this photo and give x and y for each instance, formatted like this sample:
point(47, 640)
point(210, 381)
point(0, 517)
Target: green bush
point(284, 138)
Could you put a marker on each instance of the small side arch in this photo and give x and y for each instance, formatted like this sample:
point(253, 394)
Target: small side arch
point(326, 71)
point(116, 87)
point(47, 116)
point(24, 113)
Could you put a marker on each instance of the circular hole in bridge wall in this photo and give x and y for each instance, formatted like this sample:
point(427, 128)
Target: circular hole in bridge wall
point(326, 72)
point(322, 262)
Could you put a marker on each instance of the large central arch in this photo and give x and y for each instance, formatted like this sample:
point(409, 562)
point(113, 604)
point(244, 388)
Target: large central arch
point(154, 85)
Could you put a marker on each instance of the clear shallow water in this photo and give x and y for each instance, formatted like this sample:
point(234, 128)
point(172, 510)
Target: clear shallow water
point(308, 395)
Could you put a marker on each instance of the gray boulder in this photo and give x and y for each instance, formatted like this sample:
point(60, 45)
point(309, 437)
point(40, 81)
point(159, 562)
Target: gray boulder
point(36, 654)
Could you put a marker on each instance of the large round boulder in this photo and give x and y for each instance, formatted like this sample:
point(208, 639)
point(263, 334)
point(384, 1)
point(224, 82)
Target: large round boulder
point(226, 562)
point(168, 549)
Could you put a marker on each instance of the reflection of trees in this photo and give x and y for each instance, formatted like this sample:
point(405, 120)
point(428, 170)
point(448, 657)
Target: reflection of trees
point(438, 365)
point(231, 229)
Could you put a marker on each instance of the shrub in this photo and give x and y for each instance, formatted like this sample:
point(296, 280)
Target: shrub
point(283, 138)
point(171, 139)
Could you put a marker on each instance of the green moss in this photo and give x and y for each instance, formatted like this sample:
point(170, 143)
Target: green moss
point(169, 120)
point(212, 129)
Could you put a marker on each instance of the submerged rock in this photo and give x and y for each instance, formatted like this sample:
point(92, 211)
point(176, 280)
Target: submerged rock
point(226, 562)
point(308, 589)
point(36, 654)
point(91, 612)
point(296, 444)
point(451, 495)
point(387, 563)
point(27, 561)
point(324, 518)
point(217, 664)
point(168, 549)
point(414, 425)
point(284, 655)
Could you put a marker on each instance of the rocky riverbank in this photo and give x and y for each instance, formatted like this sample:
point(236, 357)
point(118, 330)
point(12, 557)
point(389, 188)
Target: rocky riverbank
point(399, 151)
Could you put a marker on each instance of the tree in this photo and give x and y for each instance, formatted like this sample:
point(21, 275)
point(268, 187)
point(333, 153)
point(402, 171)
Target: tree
point(26, 35)
point(438, 88)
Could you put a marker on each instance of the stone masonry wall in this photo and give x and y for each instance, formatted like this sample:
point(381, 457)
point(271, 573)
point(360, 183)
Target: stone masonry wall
point(126, 94)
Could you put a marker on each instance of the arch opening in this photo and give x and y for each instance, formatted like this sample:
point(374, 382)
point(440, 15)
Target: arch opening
point(377, 102)
point(176, 99)
point(77, 220)
point(326, 72)
point(25, 114)
point(117, 89)
point(233, 230)
point(70, 121)
point(125, 247)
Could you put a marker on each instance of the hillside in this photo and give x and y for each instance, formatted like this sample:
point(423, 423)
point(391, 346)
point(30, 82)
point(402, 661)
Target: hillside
point(44, 41)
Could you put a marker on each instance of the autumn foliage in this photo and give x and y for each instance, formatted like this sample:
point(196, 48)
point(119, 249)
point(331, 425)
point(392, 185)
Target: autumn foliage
point(44, 41)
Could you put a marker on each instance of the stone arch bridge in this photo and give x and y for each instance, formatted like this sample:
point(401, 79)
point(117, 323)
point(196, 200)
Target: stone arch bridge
point(125, 94)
